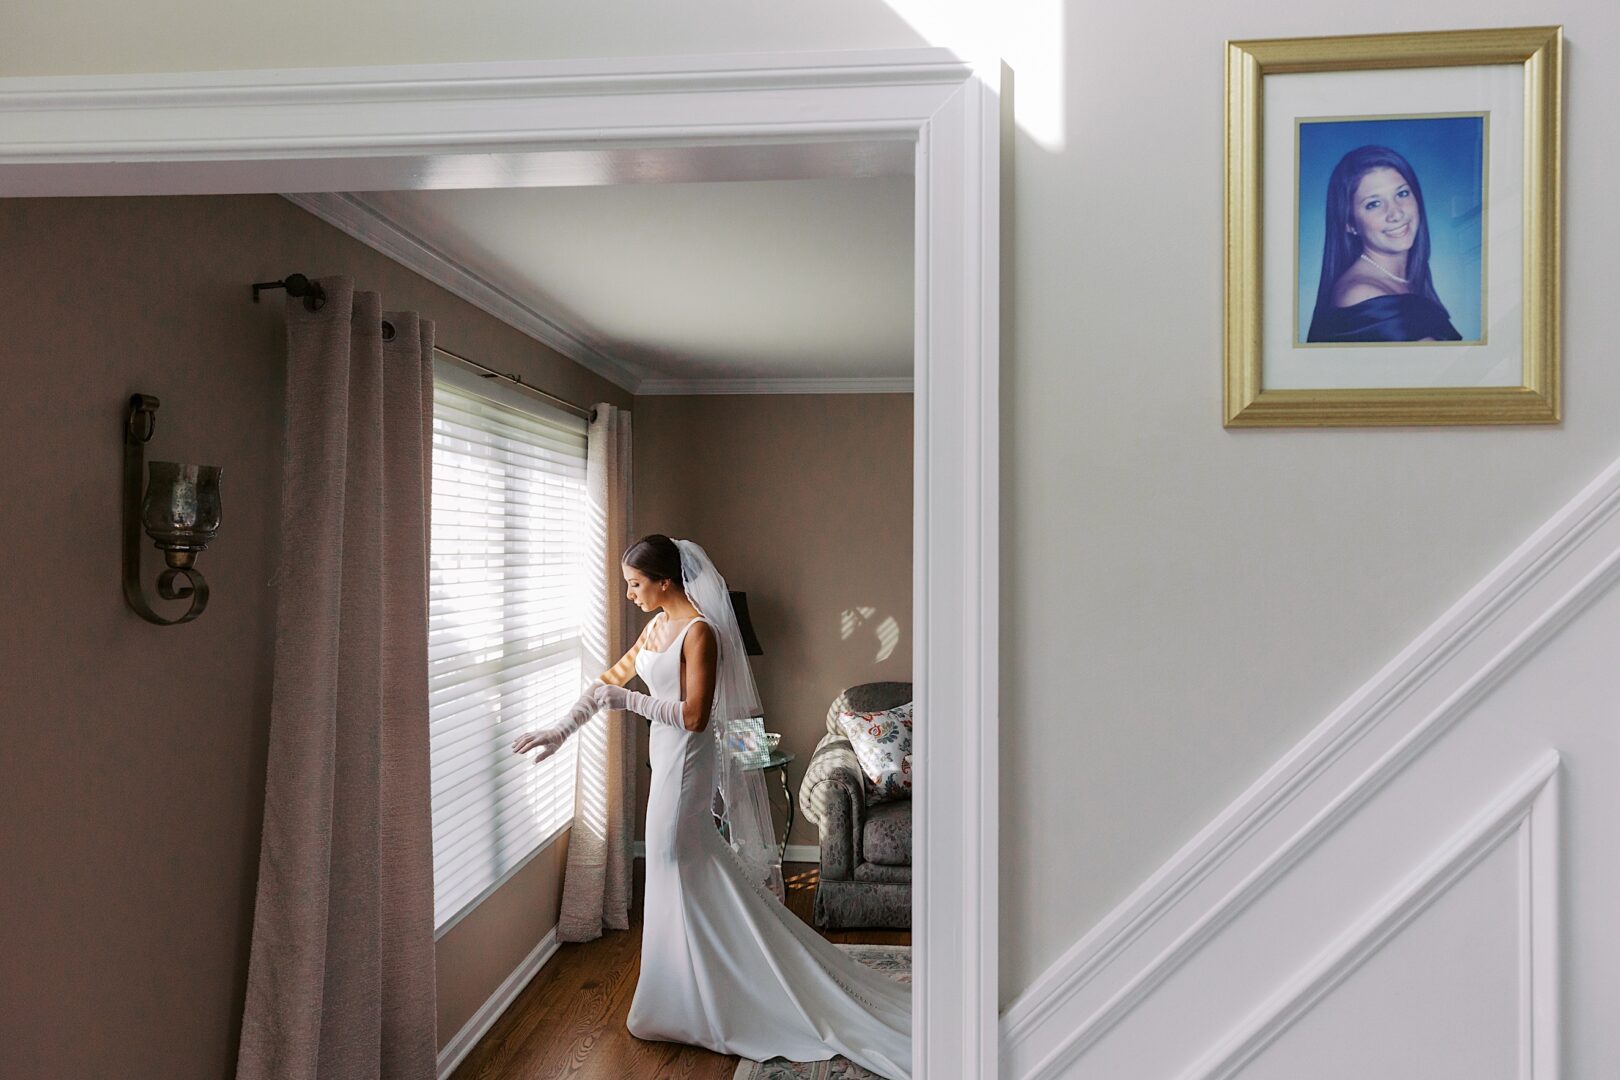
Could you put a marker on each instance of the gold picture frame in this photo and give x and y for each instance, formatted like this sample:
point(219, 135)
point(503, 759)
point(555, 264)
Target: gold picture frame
point(1248, 402)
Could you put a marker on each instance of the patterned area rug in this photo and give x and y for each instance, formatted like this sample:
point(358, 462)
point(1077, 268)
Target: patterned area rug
point(895, 962)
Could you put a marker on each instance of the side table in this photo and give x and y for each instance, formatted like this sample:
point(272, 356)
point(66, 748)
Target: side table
point(779, 761)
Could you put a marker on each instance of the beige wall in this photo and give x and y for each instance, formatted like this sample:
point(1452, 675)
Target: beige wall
point(1180, 602)
point(132, 757)
point(480, 952)
point(804, 503)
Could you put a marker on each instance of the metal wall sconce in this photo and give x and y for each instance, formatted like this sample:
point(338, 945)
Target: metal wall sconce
point(180, 513)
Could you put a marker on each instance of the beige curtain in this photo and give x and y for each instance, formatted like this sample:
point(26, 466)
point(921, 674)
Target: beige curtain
point(596, 886)
point(341, 979)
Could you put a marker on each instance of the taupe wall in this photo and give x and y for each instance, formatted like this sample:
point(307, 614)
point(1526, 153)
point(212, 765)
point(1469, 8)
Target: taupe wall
point(131, 756)
point(804, 503)
point(478, 953)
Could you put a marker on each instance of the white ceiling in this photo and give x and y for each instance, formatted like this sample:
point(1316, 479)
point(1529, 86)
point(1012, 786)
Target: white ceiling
point(737, 280)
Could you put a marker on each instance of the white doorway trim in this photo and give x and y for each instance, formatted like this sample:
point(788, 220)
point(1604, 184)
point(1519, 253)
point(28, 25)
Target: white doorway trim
point(519, 124)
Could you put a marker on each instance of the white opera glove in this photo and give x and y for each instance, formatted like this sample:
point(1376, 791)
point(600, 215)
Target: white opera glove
point(549, 740)
point(658, 710)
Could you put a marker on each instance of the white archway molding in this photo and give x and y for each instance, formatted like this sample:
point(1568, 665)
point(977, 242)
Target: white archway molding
point(517, 124)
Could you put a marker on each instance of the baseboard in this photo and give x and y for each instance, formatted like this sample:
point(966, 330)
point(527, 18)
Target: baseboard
point(484, 1019)
point(1319, 786)
point(810, 853)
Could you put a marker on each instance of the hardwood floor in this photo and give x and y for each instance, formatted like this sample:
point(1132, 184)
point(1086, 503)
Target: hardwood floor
point(569, 1022)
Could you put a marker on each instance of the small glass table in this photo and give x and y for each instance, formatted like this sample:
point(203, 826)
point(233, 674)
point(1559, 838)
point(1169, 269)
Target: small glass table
point(780, 760)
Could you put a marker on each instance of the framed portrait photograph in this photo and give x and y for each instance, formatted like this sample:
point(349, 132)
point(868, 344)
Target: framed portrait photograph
point(1392, 229)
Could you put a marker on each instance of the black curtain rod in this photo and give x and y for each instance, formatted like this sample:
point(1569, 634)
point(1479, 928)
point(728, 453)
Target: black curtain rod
point(296, 285)
point(517, 381)
point(315, 298)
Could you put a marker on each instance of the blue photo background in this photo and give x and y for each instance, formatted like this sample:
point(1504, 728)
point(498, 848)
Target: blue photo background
point(1448, 154)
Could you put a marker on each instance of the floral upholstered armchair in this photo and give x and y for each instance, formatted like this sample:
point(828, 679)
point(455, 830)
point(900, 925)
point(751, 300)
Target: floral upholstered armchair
point(865, 846)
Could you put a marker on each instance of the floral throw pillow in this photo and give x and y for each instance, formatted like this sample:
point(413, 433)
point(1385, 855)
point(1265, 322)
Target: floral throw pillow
point(882, 743)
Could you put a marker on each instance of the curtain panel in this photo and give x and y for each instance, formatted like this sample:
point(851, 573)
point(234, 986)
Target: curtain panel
point(596, 884)
point(341, 975)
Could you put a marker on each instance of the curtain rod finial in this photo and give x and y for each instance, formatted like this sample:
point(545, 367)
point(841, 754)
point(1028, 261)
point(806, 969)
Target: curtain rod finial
point(296, 285)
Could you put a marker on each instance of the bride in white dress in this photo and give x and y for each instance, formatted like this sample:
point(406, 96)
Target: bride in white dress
point(724, 964)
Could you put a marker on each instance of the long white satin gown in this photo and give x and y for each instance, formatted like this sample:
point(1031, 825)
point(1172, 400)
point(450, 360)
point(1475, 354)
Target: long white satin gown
point(724, 964)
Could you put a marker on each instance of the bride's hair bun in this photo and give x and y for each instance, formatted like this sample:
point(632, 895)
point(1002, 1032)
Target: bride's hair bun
point(656, 556)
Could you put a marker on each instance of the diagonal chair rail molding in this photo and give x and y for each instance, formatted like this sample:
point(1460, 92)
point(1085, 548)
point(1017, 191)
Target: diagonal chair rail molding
point(1564, 566)
point(526, 123)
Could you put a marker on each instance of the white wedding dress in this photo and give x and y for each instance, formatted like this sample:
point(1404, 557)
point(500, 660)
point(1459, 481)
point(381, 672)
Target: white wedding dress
point(724, 964)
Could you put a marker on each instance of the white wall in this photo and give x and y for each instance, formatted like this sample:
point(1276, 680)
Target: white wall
point(1181, 602)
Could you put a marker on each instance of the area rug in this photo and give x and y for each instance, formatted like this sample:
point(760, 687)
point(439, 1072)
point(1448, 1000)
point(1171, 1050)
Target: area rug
point(895, 962)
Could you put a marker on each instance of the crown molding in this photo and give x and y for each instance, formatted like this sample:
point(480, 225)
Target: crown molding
point(358, 217)
point(653, 387)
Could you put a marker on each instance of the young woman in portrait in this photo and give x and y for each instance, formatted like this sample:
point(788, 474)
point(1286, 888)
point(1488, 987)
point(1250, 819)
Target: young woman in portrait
point(1376, 285)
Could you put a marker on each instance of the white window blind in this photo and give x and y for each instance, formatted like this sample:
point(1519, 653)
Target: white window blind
point(507, 599)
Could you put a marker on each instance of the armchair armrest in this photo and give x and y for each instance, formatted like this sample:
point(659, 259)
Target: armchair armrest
point(833, 796)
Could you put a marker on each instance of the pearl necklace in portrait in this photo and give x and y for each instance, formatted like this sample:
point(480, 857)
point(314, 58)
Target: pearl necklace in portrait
point(1386, 273)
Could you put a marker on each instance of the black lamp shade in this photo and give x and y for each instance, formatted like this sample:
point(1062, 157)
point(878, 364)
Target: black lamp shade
point(745, 625)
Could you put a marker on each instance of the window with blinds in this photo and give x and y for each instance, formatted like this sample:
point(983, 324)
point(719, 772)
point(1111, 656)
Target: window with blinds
point(507, 601)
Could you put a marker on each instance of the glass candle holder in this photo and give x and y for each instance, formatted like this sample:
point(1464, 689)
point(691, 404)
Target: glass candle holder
point(181, 510)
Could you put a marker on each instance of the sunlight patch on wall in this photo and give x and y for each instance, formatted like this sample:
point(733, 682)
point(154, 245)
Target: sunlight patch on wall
point(852, 619)
point(1028, 35)
point(887, 631)
point(888, 635)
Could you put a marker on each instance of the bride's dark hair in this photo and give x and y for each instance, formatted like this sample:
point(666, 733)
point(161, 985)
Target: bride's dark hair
point(657, 556)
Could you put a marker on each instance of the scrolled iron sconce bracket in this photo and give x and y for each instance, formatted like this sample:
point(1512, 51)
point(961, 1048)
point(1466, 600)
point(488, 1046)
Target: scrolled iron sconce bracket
point(181, 513)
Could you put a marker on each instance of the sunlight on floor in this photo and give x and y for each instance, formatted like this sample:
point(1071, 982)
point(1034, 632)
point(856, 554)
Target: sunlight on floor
point(801, 880)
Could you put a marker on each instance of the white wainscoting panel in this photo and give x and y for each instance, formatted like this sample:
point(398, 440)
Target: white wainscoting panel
point(1437, 1001)
point(1264, 941)
point(1494, 886)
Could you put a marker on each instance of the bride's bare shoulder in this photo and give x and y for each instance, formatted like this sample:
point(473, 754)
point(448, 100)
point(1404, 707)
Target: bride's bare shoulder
point(700, 636)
